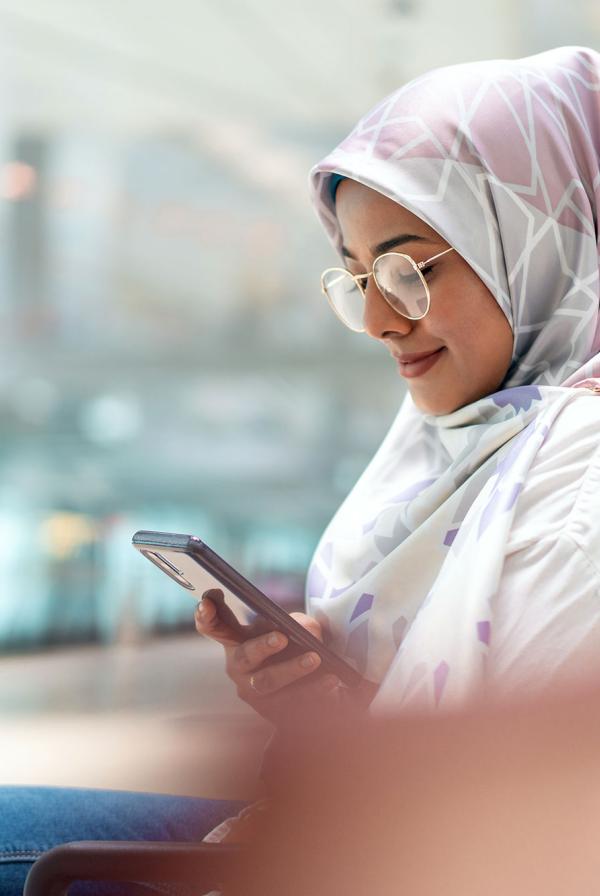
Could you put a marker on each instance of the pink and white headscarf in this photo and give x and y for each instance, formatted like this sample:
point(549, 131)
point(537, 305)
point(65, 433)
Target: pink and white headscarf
point(501, 158)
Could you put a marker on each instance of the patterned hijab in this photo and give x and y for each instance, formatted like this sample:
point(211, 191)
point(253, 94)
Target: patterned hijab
point(501, 158)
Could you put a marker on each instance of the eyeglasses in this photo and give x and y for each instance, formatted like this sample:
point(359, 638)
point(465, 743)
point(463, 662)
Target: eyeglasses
point(399, 279)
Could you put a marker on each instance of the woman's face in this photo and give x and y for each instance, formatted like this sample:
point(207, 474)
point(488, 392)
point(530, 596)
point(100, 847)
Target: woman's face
point(464, 325)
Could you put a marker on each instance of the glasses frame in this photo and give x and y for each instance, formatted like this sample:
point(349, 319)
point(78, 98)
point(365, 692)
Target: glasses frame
point(358, 277)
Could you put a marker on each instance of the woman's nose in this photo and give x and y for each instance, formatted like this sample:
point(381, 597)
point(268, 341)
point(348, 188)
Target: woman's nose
point(379, 317)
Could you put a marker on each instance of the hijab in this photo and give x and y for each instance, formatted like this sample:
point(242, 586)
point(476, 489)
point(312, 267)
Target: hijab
point(501, 158)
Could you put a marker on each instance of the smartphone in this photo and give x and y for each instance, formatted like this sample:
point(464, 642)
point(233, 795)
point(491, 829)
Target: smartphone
point(194, 566)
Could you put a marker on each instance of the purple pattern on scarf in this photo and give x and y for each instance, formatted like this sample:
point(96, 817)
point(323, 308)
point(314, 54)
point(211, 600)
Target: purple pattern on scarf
point(512, 496)
point(483, 631)
point(502, 500)
point(412, 491)
point(327, 554)
point(520, 397)
point(450, 536)
point(493, 506)
point(369, 567)
point(498, 503)
point(337, 591)
point(315, 582)
point(364, 603)
point(387, 543)
point(407, 494)
point(514, 452)
point(440, 677)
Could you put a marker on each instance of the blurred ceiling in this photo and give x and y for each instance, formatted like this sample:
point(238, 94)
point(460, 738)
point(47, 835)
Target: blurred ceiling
point(259, 85)
point(136, 64)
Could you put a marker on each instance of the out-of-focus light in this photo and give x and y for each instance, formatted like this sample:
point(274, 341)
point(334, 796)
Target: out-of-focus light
point(264, 237)
point(62, 534)
point(174, 218)
point(67, 193)
point(591, 15)
point(17, 181)
point(280, 168)
point(111, 418)
point(34, 400)
point(403, 7)
point(218, 403)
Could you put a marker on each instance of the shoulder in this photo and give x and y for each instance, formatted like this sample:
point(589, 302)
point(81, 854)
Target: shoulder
point(562, 492)
point(575, 431)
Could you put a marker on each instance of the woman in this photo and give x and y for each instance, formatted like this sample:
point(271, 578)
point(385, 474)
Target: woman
point(465, 562)
point(466, 559)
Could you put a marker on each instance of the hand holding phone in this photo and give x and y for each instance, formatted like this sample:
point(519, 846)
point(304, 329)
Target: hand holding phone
point(277, 661)
point(197, 568)
point(263, 663)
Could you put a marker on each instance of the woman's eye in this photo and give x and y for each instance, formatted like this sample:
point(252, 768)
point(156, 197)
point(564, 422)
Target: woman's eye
point(413, 277)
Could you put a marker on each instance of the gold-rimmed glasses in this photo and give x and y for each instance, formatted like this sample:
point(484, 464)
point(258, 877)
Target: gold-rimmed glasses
point(399, 279)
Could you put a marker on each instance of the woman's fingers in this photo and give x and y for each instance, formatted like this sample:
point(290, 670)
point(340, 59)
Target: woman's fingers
point(209, 622)
point(248, 656)
point(253, 654)
point(276, 676)
point(224, 611)
point(250, 661)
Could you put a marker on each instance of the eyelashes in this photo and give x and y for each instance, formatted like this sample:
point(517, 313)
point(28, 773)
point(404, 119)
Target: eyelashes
point(363, 279)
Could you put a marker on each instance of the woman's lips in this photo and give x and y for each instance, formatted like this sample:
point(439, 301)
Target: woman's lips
point(418, 364)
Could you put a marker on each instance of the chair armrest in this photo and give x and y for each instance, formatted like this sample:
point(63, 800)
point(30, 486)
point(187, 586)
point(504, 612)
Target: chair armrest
point(203, 864)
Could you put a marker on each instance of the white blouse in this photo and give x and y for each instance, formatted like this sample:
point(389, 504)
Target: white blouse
point(546, 612)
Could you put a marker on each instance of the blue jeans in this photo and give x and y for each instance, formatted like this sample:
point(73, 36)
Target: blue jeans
point(33, 819)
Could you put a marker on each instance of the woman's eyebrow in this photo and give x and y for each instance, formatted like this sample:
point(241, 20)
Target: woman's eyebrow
point(386, 245)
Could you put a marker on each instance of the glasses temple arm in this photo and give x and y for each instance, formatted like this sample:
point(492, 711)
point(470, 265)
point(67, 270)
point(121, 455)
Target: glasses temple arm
point(433, 257)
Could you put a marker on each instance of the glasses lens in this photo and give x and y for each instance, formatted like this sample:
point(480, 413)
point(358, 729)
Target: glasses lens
point(400, 282)
point(345, 297)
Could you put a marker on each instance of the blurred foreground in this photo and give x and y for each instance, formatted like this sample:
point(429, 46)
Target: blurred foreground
point(493, 800)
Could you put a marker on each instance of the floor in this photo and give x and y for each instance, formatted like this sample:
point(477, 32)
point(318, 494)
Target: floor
point(155, 716)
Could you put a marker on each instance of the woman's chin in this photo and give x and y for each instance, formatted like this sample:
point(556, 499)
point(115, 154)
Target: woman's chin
point(434, 405)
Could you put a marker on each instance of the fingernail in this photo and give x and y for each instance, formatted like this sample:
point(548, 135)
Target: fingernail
point(274, 640)
point(200, 609)
point(308, 660)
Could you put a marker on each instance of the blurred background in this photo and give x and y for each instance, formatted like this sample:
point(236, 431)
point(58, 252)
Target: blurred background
point(168, 359)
